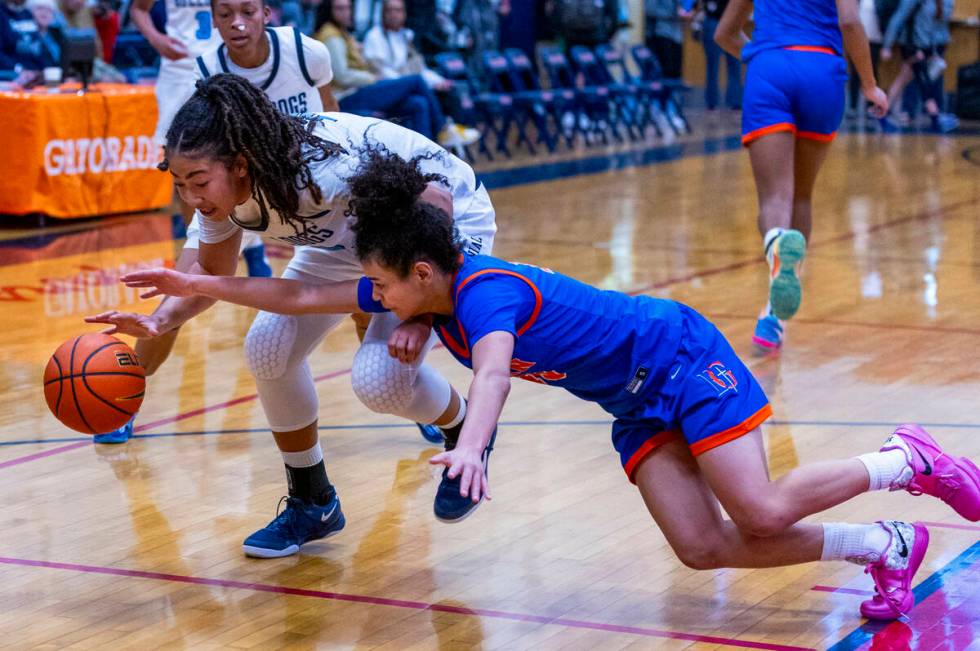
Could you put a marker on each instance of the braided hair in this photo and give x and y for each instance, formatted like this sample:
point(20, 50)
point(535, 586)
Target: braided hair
point(391, 222)
point(226, 117)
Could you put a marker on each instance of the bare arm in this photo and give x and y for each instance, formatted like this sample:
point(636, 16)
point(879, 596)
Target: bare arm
point(856, 45)
point(168, 47)
point(729, 35)
point(486, 398)
point(329, 101)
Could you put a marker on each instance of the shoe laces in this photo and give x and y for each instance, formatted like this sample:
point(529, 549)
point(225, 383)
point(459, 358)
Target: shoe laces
point(286, 517)
point(946, 486)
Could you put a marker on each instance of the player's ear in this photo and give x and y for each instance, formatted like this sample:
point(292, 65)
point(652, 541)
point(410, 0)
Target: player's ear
point(265, 14)
point(423, 271)
point(240, 167)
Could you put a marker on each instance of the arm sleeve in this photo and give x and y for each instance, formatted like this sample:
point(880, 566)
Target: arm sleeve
point(343, 75)
point(494, 303)
point(376, 52)
point(213, 230)
point(318, 61)
point(365, 297)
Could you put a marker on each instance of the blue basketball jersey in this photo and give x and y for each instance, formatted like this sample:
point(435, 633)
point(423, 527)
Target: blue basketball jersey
point(788, 23)
point(602, 346)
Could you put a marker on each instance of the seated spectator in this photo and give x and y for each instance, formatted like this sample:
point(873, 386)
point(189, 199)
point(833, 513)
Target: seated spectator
point(46, 17)
point(20, 41)
point(390, 48)
point(359, 88)
point(78, 14)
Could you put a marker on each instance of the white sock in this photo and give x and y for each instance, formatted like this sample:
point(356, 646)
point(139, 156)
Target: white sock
point(458, 418)
point(855, 543)
point(889, 469)
point(770, 236)
point(304, 459)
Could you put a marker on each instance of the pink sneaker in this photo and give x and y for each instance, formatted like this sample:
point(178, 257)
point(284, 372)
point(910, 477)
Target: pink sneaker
point(954, 480)
point(893, 571)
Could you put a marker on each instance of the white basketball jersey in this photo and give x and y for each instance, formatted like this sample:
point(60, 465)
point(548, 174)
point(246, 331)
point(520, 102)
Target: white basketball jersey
point(297, 66)
point(189, 21)
point(325, 221)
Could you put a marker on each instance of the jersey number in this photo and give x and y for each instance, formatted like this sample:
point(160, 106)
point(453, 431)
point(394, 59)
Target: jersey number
point(203, 19)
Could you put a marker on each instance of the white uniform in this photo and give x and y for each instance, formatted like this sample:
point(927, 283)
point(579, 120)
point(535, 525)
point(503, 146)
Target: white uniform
point(277, 345)
point(190, 22)
point(297, 67)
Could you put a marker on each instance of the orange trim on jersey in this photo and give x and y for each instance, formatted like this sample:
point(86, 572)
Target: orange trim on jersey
point(463, 348)
point(644, 450)
point(765, 131)
point(732, 433)
point(811, 48)
point(819, 137)
point(534, 288)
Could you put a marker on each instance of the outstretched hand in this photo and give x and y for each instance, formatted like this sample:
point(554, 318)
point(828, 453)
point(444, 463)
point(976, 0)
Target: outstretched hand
point(127, 323)
point(162, 281)
point(467, 464)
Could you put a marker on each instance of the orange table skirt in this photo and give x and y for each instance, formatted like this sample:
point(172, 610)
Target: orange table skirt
point(71, 155)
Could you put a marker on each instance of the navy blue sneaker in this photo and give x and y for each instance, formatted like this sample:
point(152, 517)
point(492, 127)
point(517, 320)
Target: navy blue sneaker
point(431, 433)
point(295, 525)
point(449, 505)
point(120, 435)
point(258, 266)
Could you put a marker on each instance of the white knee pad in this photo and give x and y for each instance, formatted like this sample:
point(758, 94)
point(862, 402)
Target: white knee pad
point(380, 381)
point(269, 345)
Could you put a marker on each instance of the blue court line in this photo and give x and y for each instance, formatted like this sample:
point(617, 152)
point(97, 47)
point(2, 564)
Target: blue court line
point(509, 423)
point(864, 633)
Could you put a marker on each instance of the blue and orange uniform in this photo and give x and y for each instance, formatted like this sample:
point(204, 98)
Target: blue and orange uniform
point(796, 71)
point(660, 368)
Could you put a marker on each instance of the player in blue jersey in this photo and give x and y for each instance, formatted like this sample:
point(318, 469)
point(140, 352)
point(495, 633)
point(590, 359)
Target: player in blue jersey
point(687, 411)
point(792, 107)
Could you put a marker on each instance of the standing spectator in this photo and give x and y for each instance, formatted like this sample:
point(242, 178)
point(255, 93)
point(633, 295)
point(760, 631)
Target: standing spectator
point(359, 89)
point(665, 34)
point(478, 23)
point(586, 22)
point(390, 48)
point(713, 9)
point(869, 20)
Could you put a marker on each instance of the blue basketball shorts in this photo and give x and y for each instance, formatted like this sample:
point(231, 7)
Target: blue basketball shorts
point(708, 399)
point(798, 89)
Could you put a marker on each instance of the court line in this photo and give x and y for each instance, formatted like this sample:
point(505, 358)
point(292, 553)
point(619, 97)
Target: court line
point(864, 633)
point(853, 324)
point(405, 604)
point(44, 453)
point(506, 423)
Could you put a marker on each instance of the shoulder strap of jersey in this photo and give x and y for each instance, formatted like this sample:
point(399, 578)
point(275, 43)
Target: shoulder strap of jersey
point(203, 68)
point(301, 58)
point(274, 39)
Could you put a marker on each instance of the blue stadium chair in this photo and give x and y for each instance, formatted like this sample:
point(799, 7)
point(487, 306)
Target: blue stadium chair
point(623, 95)
point(492, 112)
point(650, 95)
point(593, 101)
point(529, 106)
point(559, 103)
point(650, 71)
point(132, 50)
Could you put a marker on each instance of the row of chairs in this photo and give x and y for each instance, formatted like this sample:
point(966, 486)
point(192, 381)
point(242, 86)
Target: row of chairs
point(591, 94)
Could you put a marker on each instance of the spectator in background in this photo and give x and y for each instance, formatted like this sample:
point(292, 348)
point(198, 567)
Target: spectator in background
point(78, 14)
point(46, 17)
point(107, 25)
point(585, 22)
point(665, 34)
point(927, 25)
point(478, 28)
point(20, 41)
point(389, 47)
point(713, 9)
point(359, 88)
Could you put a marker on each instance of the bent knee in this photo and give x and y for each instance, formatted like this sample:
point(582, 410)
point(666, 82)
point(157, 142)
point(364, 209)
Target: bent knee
point(762, 519)
point(269, 345)
point(382, 383)
point(701, 554)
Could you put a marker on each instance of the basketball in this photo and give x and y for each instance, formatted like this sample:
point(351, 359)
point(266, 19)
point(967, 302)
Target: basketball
point(94, 383)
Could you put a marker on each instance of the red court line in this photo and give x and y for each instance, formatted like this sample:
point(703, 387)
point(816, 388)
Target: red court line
point(942, 212)
point(828, 588)
point(854, 324)
point(401, 603)
point(41, 455)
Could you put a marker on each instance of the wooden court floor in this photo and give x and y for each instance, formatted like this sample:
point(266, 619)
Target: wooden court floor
point(138, 546)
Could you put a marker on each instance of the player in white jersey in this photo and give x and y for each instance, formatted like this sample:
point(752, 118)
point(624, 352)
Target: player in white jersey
point(286, 177)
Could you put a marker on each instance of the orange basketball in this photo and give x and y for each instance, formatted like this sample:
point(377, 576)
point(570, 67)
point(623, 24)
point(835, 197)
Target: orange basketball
point(94, 383)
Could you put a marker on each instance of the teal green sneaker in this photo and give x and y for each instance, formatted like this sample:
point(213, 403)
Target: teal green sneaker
point(784, 257)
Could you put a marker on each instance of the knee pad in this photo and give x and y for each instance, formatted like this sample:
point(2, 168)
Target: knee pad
point(269, 345)
point(380, 381)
